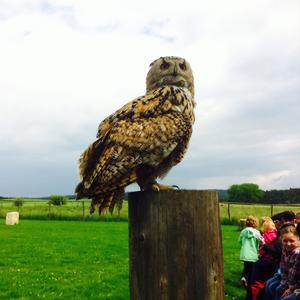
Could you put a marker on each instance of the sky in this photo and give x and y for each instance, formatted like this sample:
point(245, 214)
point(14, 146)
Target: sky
point(65, 65)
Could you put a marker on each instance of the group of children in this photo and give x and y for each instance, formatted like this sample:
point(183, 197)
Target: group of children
point(271, 257)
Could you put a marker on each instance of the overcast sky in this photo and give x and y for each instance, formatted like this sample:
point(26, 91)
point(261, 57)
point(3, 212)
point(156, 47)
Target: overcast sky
point(66, 65)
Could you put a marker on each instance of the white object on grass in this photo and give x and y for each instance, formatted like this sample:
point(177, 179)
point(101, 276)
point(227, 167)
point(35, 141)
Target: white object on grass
point(12, 218)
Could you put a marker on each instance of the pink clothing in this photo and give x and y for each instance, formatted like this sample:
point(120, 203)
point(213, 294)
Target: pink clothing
point(269, 238)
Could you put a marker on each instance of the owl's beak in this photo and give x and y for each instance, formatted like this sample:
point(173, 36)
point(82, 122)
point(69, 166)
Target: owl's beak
point(175, 71)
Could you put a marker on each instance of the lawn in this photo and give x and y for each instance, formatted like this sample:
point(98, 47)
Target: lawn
point(78, 210)
point(81, 260)
point(64, 260)
point(72, 210)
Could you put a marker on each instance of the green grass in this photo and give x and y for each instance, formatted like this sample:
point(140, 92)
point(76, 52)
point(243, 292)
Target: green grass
point(64, 260)
point(232, 263)
point(81, 260)
point(239, 211)
point(73, 210)
point(53, 259)
point(79, 210)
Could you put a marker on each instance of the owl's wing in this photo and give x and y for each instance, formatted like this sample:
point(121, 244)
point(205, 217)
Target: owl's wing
point(140, 107)
point(128, 144)
point(144, 131)
point(145, 106)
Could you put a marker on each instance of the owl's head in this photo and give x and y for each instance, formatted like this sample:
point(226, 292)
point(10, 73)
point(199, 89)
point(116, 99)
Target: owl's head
point(170, 70)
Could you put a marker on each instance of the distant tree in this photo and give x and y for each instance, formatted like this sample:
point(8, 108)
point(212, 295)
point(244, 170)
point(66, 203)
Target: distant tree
point(58, 200)
point(282, 196)
point(19, 203)
point(223, 195)
point(245, 192)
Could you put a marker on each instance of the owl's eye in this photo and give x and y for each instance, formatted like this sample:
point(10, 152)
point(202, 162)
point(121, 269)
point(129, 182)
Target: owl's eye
point(164, 65)
point(182, 66)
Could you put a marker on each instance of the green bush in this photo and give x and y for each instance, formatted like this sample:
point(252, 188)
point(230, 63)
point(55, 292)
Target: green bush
point(232, 221)
point(58, 200)
point(18, 202)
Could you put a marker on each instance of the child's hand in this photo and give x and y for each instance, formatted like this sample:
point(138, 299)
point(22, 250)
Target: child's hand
point(286, 293)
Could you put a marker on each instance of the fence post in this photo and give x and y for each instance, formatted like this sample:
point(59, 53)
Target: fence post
point(228, 211)
point(83, 210)
point(175, 246)
point(49, 213)
point(271, 210)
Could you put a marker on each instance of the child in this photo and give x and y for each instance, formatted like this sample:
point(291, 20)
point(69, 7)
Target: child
point(265, 267)
point(249, 250)
point(269, 236)
point(281, 220)
point(290, 264)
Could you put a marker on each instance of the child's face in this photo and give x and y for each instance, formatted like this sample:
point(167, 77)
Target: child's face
point(290, 241)
point(297, 220)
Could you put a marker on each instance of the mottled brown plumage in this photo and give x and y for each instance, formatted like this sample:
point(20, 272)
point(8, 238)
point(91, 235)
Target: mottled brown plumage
point(142, 140)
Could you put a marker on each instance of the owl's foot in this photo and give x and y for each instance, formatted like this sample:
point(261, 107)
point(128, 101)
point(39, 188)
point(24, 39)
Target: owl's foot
point(160, 187)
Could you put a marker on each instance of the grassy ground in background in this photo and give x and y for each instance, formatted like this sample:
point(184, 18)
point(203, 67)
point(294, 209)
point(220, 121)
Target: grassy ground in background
point(232, 263)
point(72, 210)
point(64, 260)
point(88, 260)
point(81, 260)
point(78, 210)
point(239, 211)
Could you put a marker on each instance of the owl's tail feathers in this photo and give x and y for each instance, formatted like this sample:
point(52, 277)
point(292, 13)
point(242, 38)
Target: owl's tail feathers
point(109, 201)
point(79, 191)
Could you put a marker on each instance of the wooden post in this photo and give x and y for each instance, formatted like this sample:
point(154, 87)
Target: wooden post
point(271, 210)
point(83, 210)
point(175, 246)
point(228, 211)
point(49, 212)
point(242, 223)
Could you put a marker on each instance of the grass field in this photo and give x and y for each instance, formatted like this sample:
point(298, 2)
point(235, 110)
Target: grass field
point(81, 260)
point(78, 210)
point(73, 210)
point(63, 259)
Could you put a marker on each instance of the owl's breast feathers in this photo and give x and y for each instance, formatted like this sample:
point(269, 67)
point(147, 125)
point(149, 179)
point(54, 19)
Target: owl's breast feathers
point(151, 130)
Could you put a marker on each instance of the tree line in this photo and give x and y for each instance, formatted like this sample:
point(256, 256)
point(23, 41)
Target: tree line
point(251, 193)
point(245, 193)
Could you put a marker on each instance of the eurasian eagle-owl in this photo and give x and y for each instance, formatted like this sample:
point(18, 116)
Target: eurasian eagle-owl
point(142, 140)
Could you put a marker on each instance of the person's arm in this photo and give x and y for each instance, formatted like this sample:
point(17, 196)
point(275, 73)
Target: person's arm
point(284, 268)
point(294, 272)
point(242, 235)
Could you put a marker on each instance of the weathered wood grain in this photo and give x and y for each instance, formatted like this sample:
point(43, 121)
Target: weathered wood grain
point(175, 246)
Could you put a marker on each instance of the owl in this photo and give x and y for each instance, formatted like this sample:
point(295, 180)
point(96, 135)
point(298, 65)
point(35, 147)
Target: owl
point(142, 140)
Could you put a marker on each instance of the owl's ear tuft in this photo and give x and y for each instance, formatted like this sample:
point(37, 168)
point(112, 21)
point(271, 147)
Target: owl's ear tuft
point(155, 62)
point(152, 63)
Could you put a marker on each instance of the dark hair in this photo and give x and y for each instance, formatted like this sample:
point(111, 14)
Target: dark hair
point(286, 216)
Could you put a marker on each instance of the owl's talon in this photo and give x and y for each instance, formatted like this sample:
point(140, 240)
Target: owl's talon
point(160, 187)
point(155, 187)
